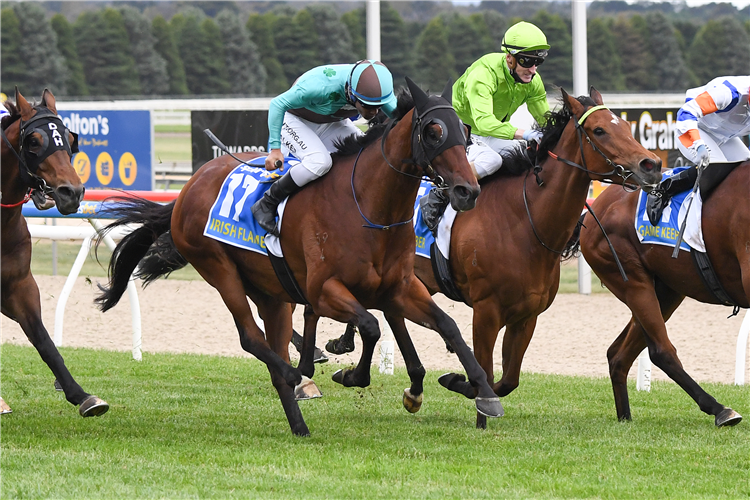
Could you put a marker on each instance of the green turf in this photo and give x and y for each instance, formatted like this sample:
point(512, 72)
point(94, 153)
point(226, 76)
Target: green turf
point(174, 146)
point(189, 426)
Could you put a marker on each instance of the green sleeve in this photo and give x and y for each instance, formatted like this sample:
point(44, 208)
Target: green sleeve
point(480, 88)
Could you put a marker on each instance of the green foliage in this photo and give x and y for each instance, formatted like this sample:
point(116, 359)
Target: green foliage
point(726, 43)
point(151, 66)
point(558, 67)
point(75, 85)
point(245, 71)
point(354, 20)
point(492, 24)
point(104, 49)
point(466, 41)
point(334, 41)
point(165, 45)
point(191, 426)
point(261, 29)
point(604, 64)
point(199, 43)
point(296, 43)
point(396, 49)
point(44, 65)
point(435, 63)
point(11, 62)
point(635, 57)
point(669, 71)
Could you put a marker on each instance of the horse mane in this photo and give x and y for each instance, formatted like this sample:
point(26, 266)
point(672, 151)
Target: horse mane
point(517, 161)
point(354, 144)
point(14, 115)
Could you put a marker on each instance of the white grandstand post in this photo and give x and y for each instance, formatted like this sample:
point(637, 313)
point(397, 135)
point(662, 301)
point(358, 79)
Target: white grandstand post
point(739, 366)
point(643, 381)
point(373, 29)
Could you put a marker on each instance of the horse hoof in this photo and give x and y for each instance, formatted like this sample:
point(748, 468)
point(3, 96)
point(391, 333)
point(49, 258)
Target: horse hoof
point(306, 389)
point(4, 408)
point(727, 418)
point(93, 406)
point(489, 407)
point(457, 383)
point(412, 403)
point(338, 377)
point(319, 356)
point(58, 387)
point(338, 346)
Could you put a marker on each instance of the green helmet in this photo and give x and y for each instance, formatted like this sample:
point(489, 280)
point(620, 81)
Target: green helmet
point(525, 37)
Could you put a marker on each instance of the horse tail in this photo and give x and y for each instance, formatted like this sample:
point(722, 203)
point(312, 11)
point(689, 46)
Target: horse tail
point(155, 221)
point(573, 246)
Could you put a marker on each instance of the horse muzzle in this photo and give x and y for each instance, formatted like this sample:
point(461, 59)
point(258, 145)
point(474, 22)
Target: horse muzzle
point(68, 198)
point(464, 197)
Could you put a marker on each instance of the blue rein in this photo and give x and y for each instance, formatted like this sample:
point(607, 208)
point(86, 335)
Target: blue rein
point(370, 224)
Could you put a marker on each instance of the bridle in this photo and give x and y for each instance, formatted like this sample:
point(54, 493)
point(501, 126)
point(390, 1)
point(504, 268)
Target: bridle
point(423, 150)
point(54, 136)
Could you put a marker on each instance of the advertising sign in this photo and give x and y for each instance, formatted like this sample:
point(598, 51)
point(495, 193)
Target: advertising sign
point(240, 131)
point(116, 148)
point(656, 131)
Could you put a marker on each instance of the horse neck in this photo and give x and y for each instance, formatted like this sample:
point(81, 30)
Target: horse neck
point(386, 195)
point(12, 187)
point(557, 205)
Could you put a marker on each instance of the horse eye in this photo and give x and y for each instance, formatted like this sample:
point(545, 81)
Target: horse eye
point(599, 131)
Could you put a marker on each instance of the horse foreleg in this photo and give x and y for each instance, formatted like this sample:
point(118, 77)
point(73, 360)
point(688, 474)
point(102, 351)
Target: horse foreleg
point(24, 306)
point(419, 308)
point(621, 355)
point(412, 395)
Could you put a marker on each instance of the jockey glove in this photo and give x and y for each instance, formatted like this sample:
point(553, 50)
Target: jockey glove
point(703, 156)
point(532, 135)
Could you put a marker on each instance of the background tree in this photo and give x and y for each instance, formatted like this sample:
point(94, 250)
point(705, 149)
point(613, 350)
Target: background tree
point(245, 72)
point(396, 49)
point(354, 20)
point(76, 82)
point(261, 29)
point(604, 65)
point(634, 56)
point(725, 43)
point(492, 24)
point(201, 54)
point(151, 66)
point(334, 41)
point(296, 42)
point(466, 41)
point(11, 64)
point(670, 71)
point(44, 65)
point(103, 47)
point(165, 45)
point(435, 64)
point(217, 81)
point(558, 67)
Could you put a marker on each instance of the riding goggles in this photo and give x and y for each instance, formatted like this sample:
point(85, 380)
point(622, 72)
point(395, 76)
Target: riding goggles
point(527, 61)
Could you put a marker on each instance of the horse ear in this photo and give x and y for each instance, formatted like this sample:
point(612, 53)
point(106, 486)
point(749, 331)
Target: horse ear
point(448, 91)
point(420, 96)
point(596, 96)
point(48, 100)
point(572, 103)
point(23, 105)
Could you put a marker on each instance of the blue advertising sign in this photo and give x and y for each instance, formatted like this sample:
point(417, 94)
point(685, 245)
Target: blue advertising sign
point(115, 148)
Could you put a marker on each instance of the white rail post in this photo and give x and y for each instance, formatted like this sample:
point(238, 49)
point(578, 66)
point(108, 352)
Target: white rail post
point(68, 287)
point(739, 366)
point(386, 347)
point(643, 382)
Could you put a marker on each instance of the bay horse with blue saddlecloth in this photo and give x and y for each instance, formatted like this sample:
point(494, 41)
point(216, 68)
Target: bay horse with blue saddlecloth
point(36, 154)
point(504, 257)
point(657, 283)
point(347, 239)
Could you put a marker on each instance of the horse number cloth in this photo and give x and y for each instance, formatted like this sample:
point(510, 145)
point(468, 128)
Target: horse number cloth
point(230, 219)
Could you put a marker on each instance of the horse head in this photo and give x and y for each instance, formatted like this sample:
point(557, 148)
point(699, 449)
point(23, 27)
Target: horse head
point(616, 155)
point(439, 146)
point(43, 148)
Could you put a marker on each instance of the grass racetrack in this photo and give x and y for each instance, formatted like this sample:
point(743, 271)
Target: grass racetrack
point(190, 426)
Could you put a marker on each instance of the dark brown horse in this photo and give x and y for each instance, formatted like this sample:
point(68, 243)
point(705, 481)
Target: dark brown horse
point(347, 238)
point(36, 153)
point(505, 254)
point(658, 283)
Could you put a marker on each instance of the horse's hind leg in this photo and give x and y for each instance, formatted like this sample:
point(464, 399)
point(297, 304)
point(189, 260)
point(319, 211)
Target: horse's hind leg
point(306, 365)
point(621, 355)
point(343, 344)
point(24, 306)
point(412, 395)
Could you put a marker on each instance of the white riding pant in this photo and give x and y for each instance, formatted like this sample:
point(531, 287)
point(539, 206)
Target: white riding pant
point(731, 151)
point(312, 144)
point(484, 157)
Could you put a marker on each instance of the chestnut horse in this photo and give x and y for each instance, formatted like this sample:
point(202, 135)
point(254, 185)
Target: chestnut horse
point(347, 238)
point(657, 283)
point(36, 154)
point(505, 254)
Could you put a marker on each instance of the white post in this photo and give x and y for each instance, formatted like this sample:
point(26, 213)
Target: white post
point(373, 29)
point(643, 382)
point(68, 287)
point(584, 276)
point(739, 366)
point(386, 346)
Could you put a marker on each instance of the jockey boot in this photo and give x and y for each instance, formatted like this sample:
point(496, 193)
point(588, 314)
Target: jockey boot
point(657, 202)
point(264, 210)
point(433, 206)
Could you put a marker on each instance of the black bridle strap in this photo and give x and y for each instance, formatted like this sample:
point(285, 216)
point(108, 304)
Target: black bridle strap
point(611, 247)
point(370, 224)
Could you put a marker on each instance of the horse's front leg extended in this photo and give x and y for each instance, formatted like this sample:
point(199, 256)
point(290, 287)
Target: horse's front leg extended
point(412, 395)
point(419, 307)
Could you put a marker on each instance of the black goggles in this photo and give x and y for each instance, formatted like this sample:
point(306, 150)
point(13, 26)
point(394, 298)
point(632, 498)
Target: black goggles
point(526, 61)
point(369, 106)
